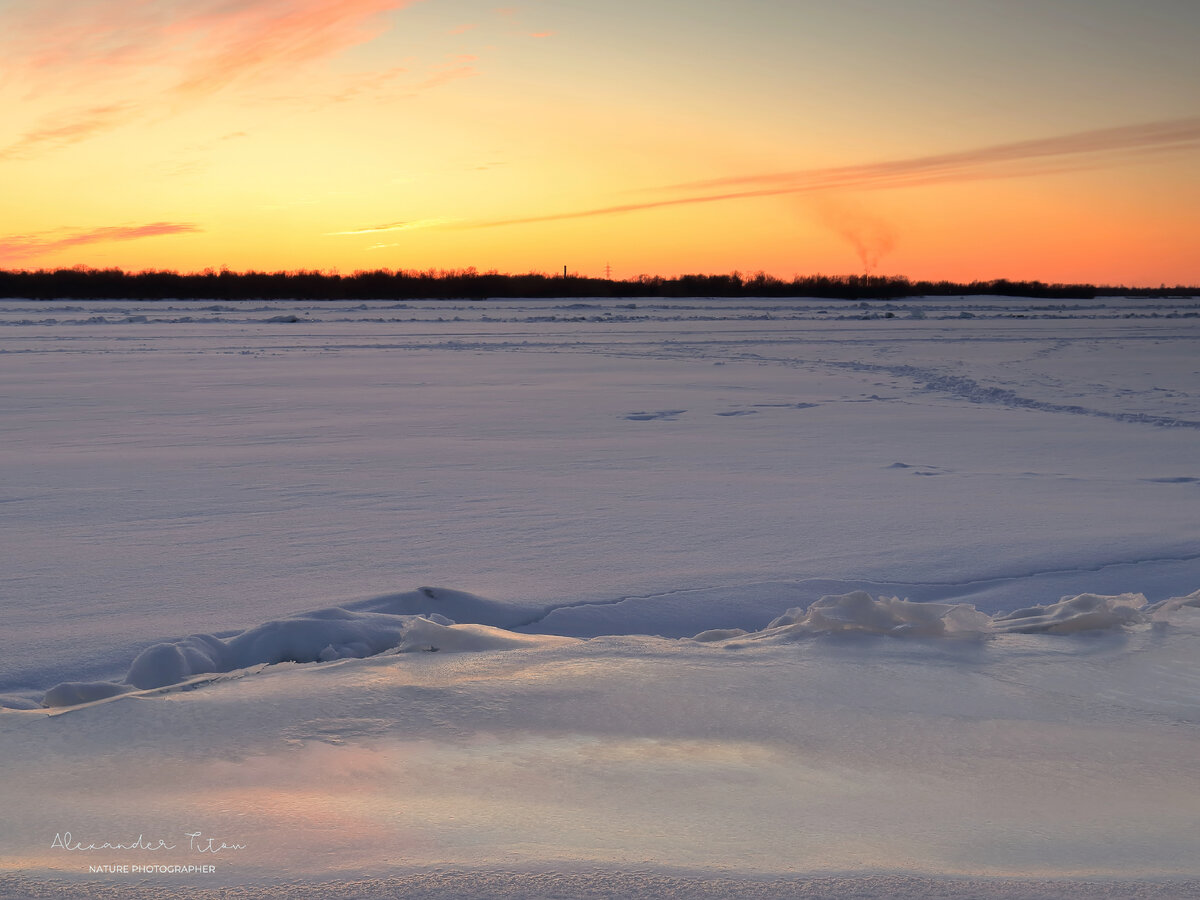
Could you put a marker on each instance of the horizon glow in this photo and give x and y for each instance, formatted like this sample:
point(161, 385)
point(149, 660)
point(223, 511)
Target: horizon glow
point(949, 139)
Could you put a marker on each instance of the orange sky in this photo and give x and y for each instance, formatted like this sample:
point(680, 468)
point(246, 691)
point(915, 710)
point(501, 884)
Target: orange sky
point(956, 139)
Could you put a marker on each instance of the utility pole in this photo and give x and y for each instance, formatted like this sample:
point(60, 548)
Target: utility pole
point(564, 273)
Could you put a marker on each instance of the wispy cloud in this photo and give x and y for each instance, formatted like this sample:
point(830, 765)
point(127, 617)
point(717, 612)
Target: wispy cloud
point(1059, 154)
point(445, 76)
point(392, 226)
point(19, 247)
point(373, 85)
point(233, 41)
point(209, 43)
point(397, 83)
point(156, 55)
point(69, 127)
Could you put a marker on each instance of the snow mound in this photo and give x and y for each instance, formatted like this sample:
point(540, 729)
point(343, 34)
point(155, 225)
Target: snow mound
point(400, 622)
point(428, 620)
point(1162, 611)
point(1085, 612)
point(719, 634)
point(859, 612)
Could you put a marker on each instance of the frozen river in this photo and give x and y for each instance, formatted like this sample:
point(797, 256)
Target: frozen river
point(605, 480)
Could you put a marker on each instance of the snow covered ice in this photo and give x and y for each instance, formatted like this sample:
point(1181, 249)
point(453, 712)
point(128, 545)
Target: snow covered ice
point(732, 597)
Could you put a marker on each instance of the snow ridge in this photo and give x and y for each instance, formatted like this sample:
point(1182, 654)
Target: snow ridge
point(417, 621)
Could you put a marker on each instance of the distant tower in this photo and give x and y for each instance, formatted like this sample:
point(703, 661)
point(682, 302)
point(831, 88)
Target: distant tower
point(608, 271)
point(564, 273)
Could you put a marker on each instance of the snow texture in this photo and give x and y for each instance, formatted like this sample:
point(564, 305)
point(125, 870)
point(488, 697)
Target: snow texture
point(340, 633)
point(752, 598)
point(325, 635)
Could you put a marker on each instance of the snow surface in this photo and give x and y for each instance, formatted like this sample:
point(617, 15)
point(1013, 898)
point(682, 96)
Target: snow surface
point(766, 598)
point(384, 624)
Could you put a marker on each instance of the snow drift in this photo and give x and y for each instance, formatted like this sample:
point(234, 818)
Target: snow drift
point(419, 621)
point(859, 613)
point(396, 622)
point(1086, 612)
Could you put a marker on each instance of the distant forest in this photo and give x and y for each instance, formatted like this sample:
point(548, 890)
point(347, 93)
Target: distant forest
point(82, 283)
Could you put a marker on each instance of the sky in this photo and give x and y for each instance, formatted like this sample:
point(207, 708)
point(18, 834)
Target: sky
point(946, 139)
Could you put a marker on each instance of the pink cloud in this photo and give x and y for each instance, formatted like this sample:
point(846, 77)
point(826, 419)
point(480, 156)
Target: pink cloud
point(1061, 153)
point(145, 52)
point(19, 247)
point(67, 128)
point(234, 41)
point(1065, 152)
point(207, 44)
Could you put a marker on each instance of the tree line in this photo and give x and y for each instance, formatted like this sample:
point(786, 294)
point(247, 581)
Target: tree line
point(80, 283)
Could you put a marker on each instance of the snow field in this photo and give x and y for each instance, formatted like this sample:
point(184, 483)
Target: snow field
point(774, 598)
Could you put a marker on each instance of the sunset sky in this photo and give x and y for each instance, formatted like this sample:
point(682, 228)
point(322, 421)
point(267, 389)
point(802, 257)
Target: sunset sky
point(958, 139)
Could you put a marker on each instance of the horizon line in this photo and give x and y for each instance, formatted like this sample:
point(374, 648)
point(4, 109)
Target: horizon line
point(743, 279)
